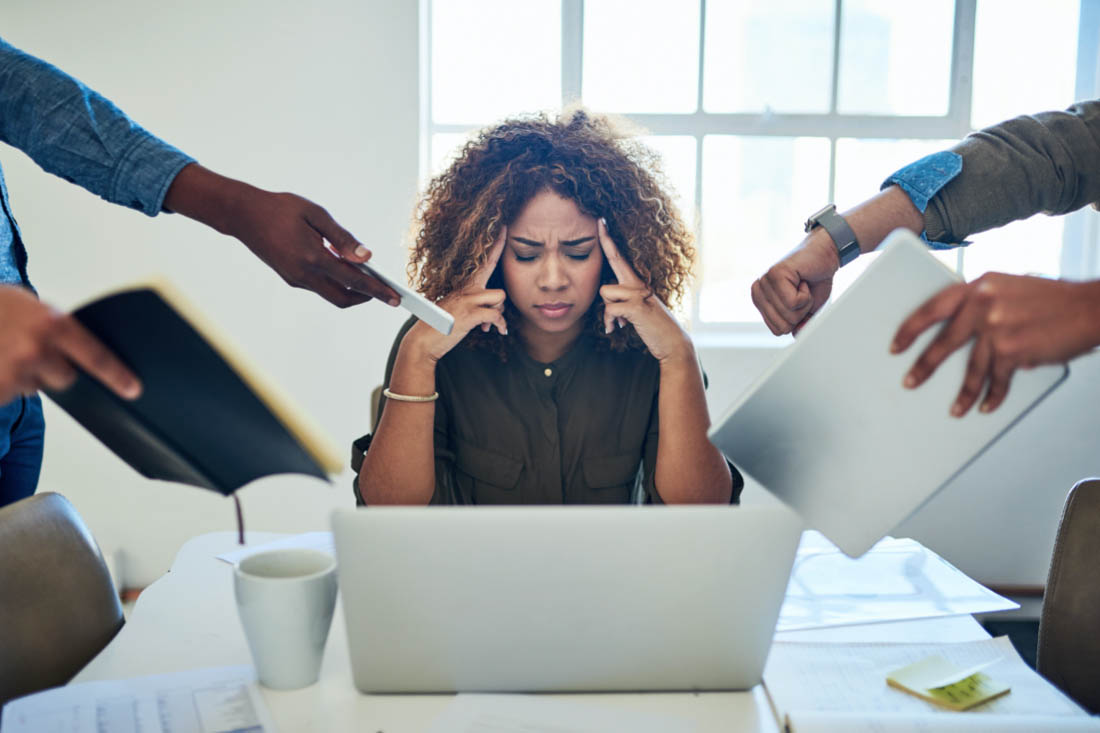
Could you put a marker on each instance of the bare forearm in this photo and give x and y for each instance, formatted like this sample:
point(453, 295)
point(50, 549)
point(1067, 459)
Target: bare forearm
point(881, 214)
point(399, 467)
point(689, 468)
point(207, 197)
point(292, 235)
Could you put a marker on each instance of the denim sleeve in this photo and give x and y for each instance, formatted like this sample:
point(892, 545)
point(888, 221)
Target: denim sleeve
point(75, 133)
point(923, 179)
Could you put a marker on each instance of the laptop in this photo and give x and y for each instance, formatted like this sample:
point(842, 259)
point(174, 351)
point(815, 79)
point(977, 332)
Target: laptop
point(562, 598)
point(830, 430)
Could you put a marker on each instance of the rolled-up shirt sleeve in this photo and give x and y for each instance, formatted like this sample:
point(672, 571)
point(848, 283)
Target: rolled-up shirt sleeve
point(75, 133)
point(1044, 163)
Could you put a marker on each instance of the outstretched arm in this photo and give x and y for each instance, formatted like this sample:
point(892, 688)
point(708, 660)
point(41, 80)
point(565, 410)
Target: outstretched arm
point(286, 231)
point(77, 134)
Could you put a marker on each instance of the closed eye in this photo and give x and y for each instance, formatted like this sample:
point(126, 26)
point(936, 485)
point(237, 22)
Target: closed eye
point(579, 257)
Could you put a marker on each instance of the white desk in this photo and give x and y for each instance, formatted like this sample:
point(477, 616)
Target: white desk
point(188, 619)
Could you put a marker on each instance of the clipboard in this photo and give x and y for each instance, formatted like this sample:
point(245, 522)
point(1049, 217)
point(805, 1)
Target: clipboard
point(830, 430)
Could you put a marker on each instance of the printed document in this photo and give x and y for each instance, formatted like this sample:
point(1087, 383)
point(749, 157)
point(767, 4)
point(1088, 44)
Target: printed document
point(214, 700)
point(842, 684)
point(896, 580)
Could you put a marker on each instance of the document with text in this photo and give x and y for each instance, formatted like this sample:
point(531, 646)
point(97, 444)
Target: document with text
point(842, 686)
point(214, 700)
point(896, 580)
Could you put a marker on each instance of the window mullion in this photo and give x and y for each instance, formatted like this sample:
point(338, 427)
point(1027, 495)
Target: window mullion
point(962, 67)
point(427, 121)
point(572, 50)
point(834, 94)
point(697, 204)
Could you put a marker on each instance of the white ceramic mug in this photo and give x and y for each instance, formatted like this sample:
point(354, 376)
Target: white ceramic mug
point(285, 599)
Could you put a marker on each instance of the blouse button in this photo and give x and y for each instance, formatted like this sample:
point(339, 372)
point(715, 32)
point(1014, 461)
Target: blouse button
point(548, 371)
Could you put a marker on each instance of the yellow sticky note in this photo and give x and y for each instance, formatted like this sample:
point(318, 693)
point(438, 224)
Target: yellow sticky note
point(939, 681)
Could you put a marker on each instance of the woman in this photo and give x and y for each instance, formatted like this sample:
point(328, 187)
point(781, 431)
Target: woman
point(557, 251)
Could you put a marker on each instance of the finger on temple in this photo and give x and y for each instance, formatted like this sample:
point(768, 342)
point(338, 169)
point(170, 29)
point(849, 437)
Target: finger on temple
point(624, 273)
point(481, 277)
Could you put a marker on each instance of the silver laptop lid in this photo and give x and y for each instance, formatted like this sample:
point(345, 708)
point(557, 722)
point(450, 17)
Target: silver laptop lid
point(830, 430)
point(445, 599)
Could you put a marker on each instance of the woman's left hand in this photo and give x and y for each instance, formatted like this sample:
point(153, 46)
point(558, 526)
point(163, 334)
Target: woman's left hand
point(631, 301)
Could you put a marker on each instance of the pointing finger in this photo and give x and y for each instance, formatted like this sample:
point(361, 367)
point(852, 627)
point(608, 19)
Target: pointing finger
point(481, 277)
point(624, 273)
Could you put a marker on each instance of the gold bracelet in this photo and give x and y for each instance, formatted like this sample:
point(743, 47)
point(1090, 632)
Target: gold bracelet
point(409, 397)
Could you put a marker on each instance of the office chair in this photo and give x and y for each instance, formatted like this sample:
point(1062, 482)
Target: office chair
point(58, 606)
point(1069, 630)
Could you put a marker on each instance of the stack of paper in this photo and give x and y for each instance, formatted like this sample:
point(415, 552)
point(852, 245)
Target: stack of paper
point(211, 700)
point(822, 687)
point(895, 580)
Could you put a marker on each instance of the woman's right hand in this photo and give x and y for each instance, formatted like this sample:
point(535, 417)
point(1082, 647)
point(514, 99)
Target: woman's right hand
point(471, 307)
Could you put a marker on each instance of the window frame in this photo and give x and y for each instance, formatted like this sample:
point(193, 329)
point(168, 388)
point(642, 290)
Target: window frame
point(1081, 239)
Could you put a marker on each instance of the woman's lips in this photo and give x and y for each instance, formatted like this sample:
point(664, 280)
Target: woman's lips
point(554, 310)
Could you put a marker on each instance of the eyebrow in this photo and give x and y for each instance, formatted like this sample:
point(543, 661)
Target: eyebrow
point(566, 243)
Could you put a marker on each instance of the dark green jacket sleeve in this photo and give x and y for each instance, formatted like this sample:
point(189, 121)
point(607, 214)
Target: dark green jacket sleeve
point(1048, 162)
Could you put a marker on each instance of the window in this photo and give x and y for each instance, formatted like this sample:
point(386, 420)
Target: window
point(764, 111)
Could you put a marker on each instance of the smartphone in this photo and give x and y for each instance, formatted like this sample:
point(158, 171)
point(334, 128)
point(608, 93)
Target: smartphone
point(412, 301)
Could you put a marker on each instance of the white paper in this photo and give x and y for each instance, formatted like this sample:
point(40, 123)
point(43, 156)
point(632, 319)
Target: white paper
point(321, 541)
point(956, 723)
point(534, 714)
point(851, 678)
point(895, 580)
point(214, 700)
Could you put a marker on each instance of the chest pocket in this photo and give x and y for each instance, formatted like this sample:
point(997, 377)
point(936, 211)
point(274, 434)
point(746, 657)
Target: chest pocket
point(611, 478)
point(486, 477)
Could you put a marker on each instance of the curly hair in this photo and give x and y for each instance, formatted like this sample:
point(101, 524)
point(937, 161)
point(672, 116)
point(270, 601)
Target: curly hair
point(590, 159)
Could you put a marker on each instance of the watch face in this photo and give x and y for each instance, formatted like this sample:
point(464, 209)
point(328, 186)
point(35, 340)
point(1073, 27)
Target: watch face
point(814, 218)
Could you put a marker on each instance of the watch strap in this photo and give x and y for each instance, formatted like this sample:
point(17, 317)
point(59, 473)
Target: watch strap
point(847, 246)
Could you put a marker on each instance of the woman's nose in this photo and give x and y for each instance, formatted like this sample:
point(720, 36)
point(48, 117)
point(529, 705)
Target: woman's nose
point(552, 275)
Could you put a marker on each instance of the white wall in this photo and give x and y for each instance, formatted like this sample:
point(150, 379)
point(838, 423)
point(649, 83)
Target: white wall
point(322, 100)
point(317, 99)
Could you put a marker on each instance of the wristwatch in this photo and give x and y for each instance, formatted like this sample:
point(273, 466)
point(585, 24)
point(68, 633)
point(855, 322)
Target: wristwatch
point(847, 246)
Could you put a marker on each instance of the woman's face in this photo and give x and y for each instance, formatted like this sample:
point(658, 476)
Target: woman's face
point(551, 263)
